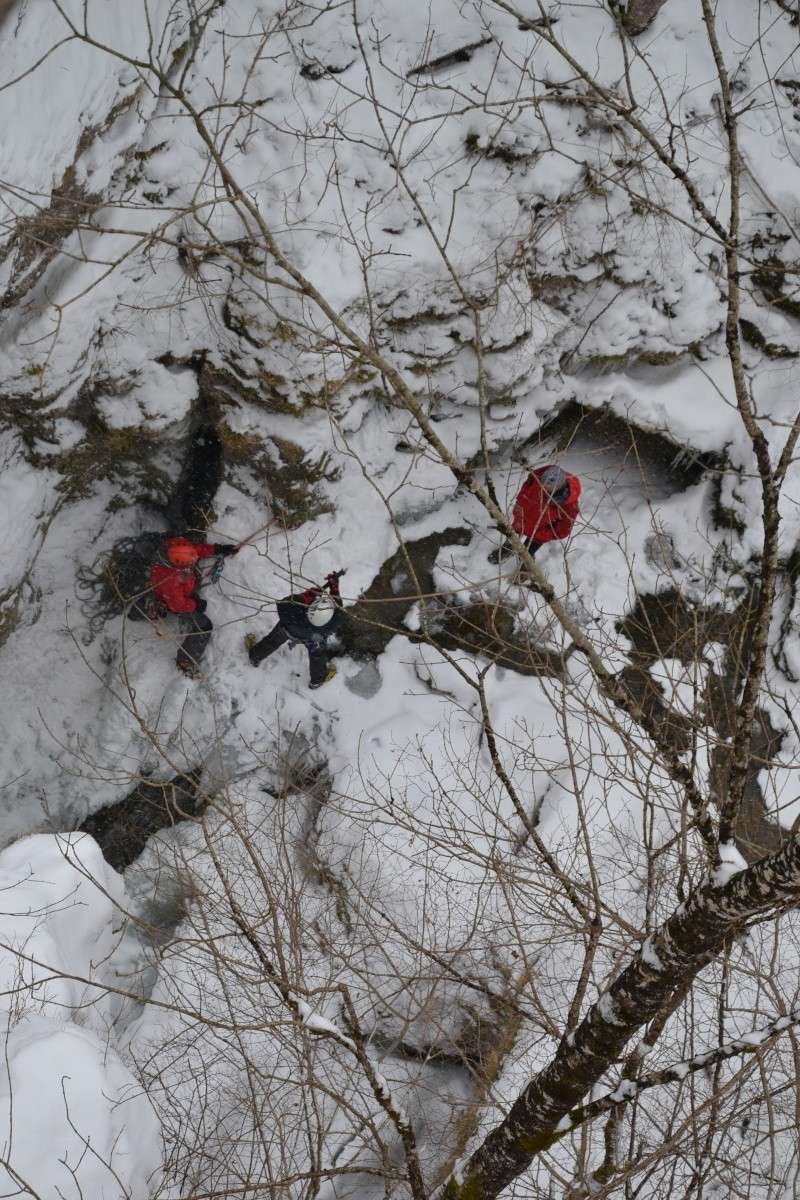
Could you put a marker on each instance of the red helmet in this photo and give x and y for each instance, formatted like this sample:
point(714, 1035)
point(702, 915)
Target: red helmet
point(180, 552)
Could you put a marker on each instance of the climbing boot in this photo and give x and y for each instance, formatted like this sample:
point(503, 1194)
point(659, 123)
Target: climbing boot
point(250, 641)
point(189, 668)
point(330, 674)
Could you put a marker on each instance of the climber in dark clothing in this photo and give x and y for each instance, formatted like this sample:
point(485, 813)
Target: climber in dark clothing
point(174, 579)
point(310, 617)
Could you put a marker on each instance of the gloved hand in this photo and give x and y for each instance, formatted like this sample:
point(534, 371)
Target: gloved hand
point(332, 581)
point(227, 551)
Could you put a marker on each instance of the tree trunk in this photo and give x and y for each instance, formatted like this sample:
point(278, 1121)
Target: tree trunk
point(640, 14)
point(669, 960)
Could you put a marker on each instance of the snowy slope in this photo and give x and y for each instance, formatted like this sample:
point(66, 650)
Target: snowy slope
point(479, 204)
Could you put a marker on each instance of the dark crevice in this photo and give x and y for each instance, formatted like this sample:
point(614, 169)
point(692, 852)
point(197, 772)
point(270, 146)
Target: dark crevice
point(792, 570)
point(405, 579)
point(646, 448)
point(379, 613)
point(315, 70)
point(191, 507)
point(122, 829)
point(666, 625)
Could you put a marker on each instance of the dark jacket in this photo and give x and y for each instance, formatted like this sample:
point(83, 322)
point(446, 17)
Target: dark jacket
point(293, 616)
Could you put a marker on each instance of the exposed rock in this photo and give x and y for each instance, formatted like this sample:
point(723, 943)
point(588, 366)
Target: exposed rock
point(121, 830)
point(659, 549)
point(640, 14)
point(366, 682)
point(666, 625)
point(379, 613)
point(487, 629)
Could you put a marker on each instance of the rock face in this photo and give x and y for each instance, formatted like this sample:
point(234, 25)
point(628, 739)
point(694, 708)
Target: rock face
point(366, 682)
point(458, 827)
point(122, 829)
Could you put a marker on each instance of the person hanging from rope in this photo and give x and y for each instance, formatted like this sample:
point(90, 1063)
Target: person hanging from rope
point(309, 617)
point(544, 511)
point(173, 582)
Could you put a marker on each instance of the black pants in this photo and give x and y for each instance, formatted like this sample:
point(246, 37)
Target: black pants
point(197, 628)
point(507, 549)
point(316, 647)
point(144, 610)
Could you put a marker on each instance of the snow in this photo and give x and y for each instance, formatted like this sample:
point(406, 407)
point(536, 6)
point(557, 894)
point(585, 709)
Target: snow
point(595, 302)
point(74, 1120)
point(316, 1023)
point(683, 684)
point(156, 399)
point(730, 864)
point(607, 1008)
point(650, 956)
point(24, 500)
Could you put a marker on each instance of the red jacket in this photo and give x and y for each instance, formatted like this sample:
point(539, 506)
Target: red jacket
point(538, 517)
point(175, 581)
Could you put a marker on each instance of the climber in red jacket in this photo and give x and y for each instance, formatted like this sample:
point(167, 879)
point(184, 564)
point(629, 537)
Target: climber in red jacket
point(545, 509)
point(174, 581)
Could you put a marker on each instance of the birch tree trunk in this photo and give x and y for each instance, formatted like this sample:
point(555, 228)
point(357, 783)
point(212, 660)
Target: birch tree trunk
point(669, 960)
